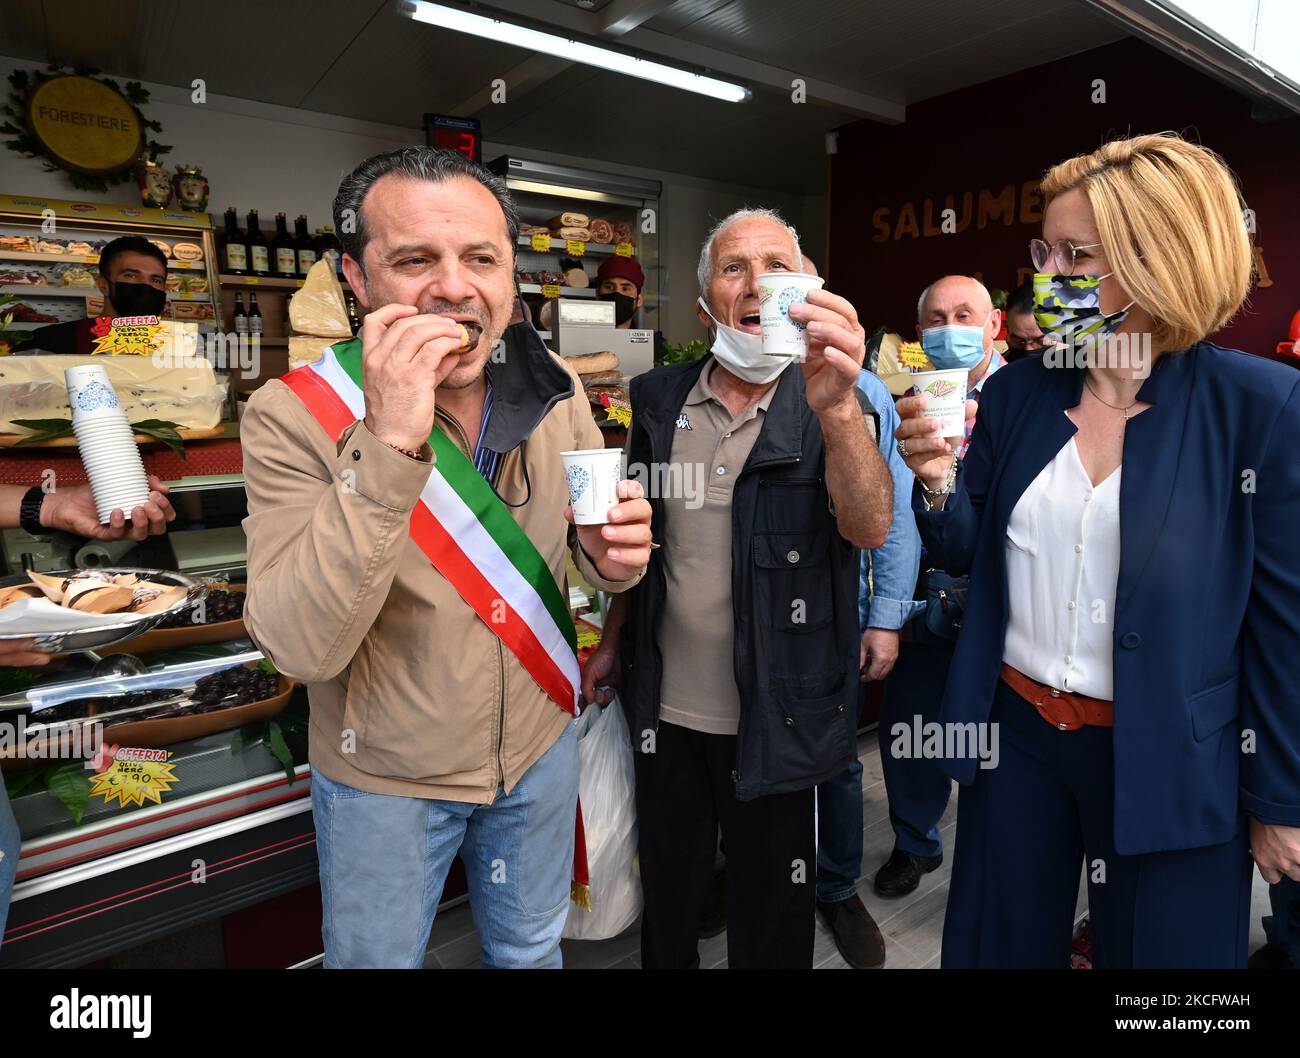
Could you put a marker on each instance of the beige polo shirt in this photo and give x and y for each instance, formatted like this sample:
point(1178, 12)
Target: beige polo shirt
point(697, 628)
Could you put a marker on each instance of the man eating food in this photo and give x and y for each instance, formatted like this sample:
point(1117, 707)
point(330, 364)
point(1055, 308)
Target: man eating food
point(407, 548)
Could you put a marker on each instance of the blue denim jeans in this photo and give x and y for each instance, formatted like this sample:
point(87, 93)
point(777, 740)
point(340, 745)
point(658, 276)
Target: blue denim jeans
point(839, 834)
point(10, 846)
point(384, 860)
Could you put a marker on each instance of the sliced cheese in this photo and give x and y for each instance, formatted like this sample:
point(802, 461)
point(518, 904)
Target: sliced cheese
point(318, 309)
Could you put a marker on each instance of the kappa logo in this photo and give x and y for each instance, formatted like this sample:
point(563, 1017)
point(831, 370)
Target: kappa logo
point(683, 423)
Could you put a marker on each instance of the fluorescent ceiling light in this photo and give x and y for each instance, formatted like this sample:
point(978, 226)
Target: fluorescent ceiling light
point(574, 50)
point(563, 191)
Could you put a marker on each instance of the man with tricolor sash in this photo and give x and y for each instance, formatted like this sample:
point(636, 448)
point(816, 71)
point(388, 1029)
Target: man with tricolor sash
point(407, 548)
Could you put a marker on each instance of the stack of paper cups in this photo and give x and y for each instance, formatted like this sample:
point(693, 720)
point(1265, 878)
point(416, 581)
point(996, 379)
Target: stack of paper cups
point(108, 449)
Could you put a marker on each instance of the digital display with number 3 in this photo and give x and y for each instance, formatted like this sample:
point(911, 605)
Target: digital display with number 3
point(457, 134)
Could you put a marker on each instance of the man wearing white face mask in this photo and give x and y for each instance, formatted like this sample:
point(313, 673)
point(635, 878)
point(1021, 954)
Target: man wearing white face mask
point(740, 658)
point(956, 322)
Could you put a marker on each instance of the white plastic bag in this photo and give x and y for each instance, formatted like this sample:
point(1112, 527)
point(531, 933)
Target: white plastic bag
point(607, 790)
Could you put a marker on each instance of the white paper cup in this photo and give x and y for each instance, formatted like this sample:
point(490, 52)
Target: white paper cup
point(593, 475)
point(777, 291)
point(104, 440)
point(945, 398)
point(91, 395)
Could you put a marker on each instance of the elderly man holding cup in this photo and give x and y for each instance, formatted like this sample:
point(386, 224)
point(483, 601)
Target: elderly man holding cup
point(739, 650)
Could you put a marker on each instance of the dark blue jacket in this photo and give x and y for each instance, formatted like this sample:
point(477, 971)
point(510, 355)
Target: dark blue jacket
point(798, 680)
point(1207, 607)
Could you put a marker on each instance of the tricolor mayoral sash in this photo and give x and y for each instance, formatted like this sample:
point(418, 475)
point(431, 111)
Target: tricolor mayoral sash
point(471, 538)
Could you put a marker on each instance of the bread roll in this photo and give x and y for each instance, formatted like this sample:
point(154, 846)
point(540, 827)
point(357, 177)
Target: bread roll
point(568, 219)
point(594, 363)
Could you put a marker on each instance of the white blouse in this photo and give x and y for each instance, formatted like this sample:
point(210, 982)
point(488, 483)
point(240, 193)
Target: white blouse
point(1062, 570)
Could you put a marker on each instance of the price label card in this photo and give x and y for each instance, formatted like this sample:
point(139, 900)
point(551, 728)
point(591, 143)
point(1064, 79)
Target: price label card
point(542, 243)
point(132, 776)
point(550, 290)
point(575, 247)
point(618, 409)
point(252, 281)
point(623, 249)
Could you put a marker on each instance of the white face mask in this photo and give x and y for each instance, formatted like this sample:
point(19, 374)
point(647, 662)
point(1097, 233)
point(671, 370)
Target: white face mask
point(741, 353)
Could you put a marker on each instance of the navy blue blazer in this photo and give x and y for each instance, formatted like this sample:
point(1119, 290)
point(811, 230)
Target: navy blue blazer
point(1207, 607)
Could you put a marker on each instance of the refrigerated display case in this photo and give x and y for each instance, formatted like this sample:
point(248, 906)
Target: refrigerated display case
point(543, 191)
point(97, 876)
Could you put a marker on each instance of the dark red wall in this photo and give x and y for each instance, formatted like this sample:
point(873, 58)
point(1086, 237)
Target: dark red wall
point(998, 138)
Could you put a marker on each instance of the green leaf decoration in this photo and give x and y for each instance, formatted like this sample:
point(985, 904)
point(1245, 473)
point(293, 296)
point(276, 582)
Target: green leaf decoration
point(46, 429)
point(280, 749)
point(162, 431)
point(266, 665)
point(70, 783)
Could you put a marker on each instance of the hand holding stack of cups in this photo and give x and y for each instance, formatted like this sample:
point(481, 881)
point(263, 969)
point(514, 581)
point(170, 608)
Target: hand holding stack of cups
point(106, 442)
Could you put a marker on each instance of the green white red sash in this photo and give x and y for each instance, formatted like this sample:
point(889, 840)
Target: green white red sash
point(468, 534)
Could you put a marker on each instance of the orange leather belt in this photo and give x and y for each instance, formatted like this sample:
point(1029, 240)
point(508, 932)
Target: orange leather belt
point(1061, 709)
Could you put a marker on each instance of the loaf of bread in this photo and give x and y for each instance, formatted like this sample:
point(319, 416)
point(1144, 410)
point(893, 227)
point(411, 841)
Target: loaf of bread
point(594, 363)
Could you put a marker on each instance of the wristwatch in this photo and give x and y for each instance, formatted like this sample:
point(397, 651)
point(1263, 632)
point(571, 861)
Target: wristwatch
point(29, 513)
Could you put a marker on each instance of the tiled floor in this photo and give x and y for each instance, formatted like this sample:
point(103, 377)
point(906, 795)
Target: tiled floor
point(912, 926)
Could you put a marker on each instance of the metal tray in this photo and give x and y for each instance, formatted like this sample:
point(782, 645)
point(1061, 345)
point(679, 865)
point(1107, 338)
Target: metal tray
point(103, 635)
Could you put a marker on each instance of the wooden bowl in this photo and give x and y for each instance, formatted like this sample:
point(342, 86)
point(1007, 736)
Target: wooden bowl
point(157, 639)
point(166, 731)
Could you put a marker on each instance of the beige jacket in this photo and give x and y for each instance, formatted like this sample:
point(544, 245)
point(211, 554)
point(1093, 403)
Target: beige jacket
point(410, 691)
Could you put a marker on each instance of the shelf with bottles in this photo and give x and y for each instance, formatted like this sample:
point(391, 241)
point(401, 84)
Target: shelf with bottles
point(250, 256)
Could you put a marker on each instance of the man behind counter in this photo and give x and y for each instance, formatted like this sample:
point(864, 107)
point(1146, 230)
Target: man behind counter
point(132, 279)
point(620, 280)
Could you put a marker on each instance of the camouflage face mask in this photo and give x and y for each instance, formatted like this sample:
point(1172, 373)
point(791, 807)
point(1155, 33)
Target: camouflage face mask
point(1073, 304)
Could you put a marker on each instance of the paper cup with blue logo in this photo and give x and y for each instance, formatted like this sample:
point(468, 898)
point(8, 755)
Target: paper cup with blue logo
point(945, 398)
point(91, 394)
point(593, 475)
point(777, 291)
point(104, 439)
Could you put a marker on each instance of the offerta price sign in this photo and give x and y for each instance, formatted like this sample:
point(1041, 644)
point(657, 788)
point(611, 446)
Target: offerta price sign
point(134, 776)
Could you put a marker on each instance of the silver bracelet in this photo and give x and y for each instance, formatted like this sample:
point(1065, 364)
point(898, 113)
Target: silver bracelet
point(949, 482)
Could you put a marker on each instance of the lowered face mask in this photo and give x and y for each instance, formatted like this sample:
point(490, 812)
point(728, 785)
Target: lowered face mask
point(1073, 304)
point(741, 353)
